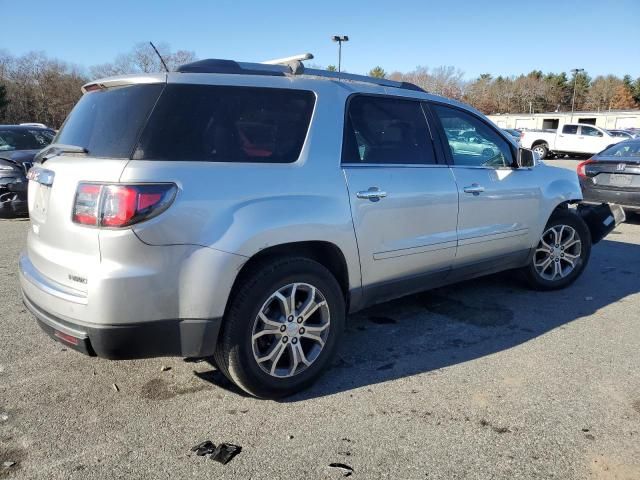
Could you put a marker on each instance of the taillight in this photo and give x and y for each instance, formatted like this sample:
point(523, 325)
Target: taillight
point(120, 205)
point(581, 168)
point(85, 208)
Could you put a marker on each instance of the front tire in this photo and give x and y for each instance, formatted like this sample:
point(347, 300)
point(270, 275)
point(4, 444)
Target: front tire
point(281, 328)
point(562, 252)
point(542, 149)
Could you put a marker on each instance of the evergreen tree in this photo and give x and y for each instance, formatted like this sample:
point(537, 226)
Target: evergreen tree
point(377, 72)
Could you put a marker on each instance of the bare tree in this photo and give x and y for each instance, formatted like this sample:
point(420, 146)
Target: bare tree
point(143, 59)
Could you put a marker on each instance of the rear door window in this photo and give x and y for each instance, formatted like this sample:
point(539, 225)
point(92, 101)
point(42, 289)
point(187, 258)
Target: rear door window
point(570, 129)
point(107, 122)
point(212, 123)
point(386, 130)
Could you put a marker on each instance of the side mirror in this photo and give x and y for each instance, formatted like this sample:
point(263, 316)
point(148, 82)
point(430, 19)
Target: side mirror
point(525, 158)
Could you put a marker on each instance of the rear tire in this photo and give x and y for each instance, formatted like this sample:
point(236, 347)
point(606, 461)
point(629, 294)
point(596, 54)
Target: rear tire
point(562, 253)
point(264, 340)
point(542, 149)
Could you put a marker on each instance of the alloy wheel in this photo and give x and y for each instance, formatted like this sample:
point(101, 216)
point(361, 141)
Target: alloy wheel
point(290, 330)
point(558, 253)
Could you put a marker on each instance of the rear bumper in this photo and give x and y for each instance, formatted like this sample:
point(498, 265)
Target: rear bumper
point(182, 337)
point(627, 200)
point(130, 316)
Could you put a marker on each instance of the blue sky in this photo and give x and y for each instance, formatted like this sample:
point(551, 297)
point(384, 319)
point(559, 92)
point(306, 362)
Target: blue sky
point(499, 37)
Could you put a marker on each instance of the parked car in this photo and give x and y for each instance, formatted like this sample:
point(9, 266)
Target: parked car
point(571, 139)
point(613, 175)
point(471, 144)
point(621, 133)
point(516, 134)
point(18, 145)
point(242, 210)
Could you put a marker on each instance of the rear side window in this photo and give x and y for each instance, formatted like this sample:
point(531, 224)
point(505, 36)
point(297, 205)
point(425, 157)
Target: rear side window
point(386, 131)
point(107, 122)
point(227, 124)
point(570, 129)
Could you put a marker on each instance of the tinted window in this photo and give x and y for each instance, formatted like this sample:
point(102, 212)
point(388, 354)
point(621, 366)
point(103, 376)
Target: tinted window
point(24, 139)
point(386, 130)
point(473, 142)
point(570, 129)
point(591, 132)
point(107, 122)
point(623, 149)
point(227, 124)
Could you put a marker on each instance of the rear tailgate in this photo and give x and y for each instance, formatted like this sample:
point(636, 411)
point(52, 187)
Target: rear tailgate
point(58, 248)
point(101, 131)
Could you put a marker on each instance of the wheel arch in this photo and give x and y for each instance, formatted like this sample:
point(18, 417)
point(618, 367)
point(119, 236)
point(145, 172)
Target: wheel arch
point(326, 253)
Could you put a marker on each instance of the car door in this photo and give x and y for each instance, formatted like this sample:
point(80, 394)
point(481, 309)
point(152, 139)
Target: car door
point(567, 139)
point(499, 204)
point(591, 139)
point(404, 203)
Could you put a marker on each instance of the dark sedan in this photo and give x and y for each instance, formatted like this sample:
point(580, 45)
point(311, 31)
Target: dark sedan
point(18, 146)
point(613, 176)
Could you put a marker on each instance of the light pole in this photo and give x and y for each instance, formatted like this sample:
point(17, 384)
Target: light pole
point(575, 72)
point(340, 39)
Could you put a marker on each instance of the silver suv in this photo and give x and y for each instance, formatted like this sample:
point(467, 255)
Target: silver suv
point(242, 210)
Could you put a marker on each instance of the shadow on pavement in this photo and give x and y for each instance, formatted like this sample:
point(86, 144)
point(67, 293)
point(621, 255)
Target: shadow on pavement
point(462, 322)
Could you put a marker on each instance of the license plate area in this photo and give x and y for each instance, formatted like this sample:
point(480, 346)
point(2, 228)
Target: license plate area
point(620, 179)
point(40, 205)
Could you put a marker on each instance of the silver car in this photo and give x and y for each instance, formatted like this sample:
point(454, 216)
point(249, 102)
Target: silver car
point(243, 210)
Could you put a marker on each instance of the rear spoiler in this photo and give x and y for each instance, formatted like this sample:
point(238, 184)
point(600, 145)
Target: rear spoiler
point(136, 79)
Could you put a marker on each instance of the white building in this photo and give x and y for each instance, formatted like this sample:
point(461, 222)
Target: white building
point(553, 120)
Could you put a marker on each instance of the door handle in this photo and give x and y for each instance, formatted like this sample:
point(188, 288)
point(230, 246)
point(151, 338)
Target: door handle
point(474, 188)
point(374, 193)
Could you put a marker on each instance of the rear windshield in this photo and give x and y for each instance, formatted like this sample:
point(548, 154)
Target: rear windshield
point(622, 150)
point(108, 122)
point(24, 139)
point(227, 124)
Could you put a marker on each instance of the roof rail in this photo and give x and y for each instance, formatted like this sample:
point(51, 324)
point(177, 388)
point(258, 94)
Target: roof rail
point(283, 67)
point(288, 60)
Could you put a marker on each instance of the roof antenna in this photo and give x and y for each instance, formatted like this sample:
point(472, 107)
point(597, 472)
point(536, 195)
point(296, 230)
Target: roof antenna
point(159, 56)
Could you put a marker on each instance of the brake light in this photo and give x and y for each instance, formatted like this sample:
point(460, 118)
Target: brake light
point(581, 168)
point(85, 208)
point(119, 205)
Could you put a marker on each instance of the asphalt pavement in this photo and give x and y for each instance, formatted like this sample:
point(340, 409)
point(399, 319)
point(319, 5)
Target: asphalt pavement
point(480, 380)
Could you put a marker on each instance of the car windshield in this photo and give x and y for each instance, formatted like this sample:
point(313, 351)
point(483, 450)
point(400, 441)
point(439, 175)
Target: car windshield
point(629, 149)
point(24, 139)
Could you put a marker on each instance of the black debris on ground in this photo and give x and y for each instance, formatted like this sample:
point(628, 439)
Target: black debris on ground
point(225, 452)
point(345, 469)
point(204, 448)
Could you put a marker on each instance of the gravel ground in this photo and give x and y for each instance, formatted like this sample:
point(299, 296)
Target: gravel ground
point(480, 380)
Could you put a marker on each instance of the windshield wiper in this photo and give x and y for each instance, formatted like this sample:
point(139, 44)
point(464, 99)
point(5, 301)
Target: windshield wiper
point(56, 149)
